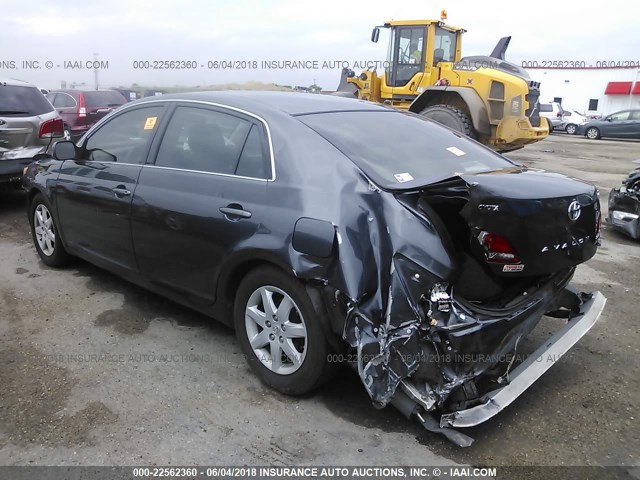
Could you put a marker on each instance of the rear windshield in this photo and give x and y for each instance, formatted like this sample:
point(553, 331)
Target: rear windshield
point(546, 107)
point(19, 101)
point(394, 148)
point(104, 99)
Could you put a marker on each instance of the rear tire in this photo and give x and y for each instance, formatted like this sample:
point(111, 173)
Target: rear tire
point(275, 318)
point(592, 133)
point(451, 117)
point(46, 236)
point(571, 129)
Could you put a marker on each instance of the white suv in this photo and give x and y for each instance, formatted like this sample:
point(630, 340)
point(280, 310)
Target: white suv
point(554, 113)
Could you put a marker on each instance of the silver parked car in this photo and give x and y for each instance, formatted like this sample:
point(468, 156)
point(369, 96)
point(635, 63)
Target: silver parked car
point(28, 126)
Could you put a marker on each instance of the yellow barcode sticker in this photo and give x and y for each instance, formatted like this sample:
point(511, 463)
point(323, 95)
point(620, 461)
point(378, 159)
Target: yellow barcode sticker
point(150, 123)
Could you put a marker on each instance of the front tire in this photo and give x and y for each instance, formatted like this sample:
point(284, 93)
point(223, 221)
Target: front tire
point(280, 332)
point(46, 237)
point(571, 129)
point(451, 117)
point(592, 133)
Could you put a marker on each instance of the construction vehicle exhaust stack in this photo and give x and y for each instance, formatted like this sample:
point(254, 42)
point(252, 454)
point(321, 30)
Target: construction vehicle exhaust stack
point(484, 97)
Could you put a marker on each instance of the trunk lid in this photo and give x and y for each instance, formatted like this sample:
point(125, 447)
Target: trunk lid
point(551, 221)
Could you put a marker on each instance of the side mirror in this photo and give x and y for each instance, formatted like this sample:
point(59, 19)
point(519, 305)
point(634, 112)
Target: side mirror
point(65, 150)
point(375, 34)
point(608, 119)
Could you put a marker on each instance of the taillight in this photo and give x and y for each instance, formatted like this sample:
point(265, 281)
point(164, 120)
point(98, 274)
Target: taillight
point(82, 111)
point(52, 129)
point(497, 248)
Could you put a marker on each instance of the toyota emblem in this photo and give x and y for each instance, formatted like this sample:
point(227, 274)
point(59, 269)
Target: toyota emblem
point(574, 211)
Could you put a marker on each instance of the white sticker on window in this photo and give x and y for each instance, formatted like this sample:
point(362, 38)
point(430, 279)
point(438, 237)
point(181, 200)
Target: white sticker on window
point(456, 151)
point(403, 177)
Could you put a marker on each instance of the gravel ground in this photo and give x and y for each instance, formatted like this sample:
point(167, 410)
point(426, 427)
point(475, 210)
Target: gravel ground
point(96, 371)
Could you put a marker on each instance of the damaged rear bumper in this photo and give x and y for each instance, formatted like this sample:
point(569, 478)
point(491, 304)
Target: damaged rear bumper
point(523, 376)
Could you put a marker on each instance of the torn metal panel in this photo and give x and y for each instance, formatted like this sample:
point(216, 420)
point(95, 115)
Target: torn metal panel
point(422, 326)
point(531, 369)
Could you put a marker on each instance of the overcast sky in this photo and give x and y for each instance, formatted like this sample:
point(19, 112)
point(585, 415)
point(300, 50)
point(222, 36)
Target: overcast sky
point(122, 32)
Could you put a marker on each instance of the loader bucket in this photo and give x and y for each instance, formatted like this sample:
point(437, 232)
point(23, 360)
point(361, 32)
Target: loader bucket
point(346, 89)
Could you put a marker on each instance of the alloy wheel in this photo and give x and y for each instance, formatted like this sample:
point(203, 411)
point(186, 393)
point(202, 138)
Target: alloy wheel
point(43, 226)
point(276, 330)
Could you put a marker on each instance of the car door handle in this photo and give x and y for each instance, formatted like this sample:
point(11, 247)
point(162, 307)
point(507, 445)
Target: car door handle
point(235, 212)
point(121, 191)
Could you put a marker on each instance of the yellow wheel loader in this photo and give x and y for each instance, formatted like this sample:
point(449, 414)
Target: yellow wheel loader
point(484, 97)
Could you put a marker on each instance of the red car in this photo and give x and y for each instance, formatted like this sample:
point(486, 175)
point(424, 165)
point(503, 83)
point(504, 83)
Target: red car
point(80, 109)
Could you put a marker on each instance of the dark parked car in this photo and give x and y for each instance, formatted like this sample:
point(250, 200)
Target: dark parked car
point(81, 109)
point(624, 124)
point(28, 125)
point(624, 205)
point(326, 230)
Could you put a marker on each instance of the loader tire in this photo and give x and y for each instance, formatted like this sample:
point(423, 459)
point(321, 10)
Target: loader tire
point(451, 117)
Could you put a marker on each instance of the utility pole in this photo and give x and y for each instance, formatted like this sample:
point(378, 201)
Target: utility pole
point(95, 69)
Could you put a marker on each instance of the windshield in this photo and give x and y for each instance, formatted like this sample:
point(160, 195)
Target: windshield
point(394, 148)
point(21, 101)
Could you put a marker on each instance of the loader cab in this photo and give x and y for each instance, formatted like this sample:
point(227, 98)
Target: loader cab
point(413, 56)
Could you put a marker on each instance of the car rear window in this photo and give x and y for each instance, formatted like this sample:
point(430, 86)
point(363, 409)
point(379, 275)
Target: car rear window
point(393, 147)
point(104, 99)
point(19, 101)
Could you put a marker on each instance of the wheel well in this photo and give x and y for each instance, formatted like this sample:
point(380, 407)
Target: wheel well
point(447, 98)
point(32, 193)
point(231, 281)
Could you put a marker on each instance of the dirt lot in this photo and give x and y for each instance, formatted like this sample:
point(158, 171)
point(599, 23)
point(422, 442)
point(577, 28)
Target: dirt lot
point(94, 370)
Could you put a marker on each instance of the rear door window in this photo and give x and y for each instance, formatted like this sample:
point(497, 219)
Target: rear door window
point(252, 160)
point(64, 100)
point(205, 140)
point(104, 99)
point(19, 101)
point(125, 138)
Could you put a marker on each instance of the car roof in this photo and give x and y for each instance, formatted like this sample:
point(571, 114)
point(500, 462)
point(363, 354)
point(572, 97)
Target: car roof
point(264, 102)
point(74, 90)
point(15, 82)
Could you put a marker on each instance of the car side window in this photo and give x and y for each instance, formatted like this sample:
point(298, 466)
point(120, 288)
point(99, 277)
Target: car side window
point(252, 161)
point(64, 100)
point(204, 140)
point(620, 116)
point(635, 115)
point(124, 138)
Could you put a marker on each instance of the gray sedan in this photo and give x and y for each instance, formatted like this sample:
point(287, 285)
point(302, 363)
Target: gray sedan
point(623, 124)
